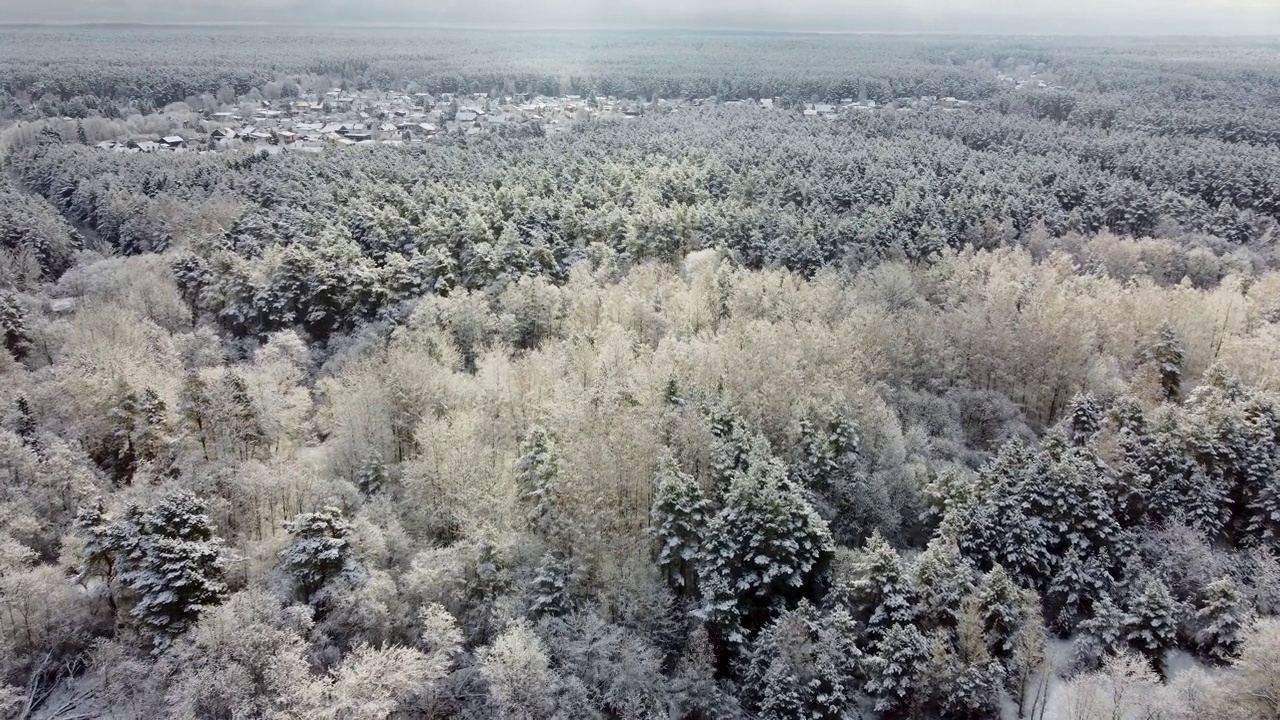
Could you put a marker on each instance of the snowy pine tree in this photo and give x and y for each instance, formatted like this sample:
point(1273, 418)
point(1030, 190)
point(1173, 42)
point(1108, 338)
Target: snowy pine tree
point(1150, 625)
point(13, 328)
point(732, 444)
point(319, 550)
point(677, 520)
point(173, 562)
point(25, 425)
point(801, 666)
point(1168, 356)
point(538, 482)
point(879, 592)
point(1083, 420)
point(551, 592)
point(895, 671)
point(1221, 621)
point(243, 420)
point(1099, 636)
point(764, 550)
point(1003, 523)
point(942, 578)
point(1002, 609)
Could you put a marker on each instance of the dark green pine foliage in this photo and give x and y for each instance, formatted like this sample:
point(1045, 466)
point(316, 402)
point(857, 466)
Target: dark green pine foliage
point(1261, 473)
point(319, 550)
point(679, 516)
point(172, 562)
point(1083, 420)
point(1150, 625)
point(117, 452)
point(155, 435)
point(243, 422)
point(764, 551)
point(552, 586)
point(100, 543)
point(1002, 523)
point(879, 592)
point(942, 579)
point(1101, 635)
point(895, 671)
point(13, 327)
point(825, 459)
point(1002, 610)
point(802, 665)
point(25, 425)
point(537, 476)
point(1168, 356)
point(196, 412)
point(1221, 621)
point(731, 445)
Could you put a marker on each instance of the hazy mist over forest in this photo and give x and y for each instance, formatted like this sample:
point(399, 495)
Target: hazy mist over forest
point(1037, 17)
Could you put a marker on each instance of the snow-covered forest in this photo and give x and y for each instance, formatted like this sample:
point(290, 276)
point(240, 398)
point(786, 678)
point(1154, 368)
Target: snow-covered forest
point(716, 412)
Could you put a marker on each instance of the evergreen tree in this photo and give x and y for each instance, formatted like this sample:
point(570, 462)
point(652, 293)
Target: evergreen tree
point(732, 445)
point(764, 551)
point(801, 666)
point(679, 515)
point(173, 562)
point(879, 591)
point(895, 671)
point(155, 439)
point(1079, 578)
point(1099, 636)
point(13, 327)
point(117, 453)
point(1221, 621)
point(538, 483)
point(318, 552)
point(1150, 625)
point(1002, 609)
point(1168, 356)
point(25, 426)
point(1003, 523)
point(1083, 420)
point(552, 594)
point(100, 543)
point(196, 411)
point(942, 578)
point(242, 417)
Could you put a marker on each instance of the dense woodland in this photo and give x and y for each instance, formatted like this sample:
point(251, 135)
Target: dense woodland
point(725, 413)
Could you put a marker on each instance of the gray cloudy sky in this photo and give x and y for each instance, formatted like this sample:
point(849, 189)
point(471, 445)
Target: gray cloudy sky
point(997, 16)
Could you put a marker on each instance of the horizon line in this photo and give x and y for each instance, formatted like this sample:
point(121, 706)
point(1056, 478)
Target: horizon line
point(612, 28)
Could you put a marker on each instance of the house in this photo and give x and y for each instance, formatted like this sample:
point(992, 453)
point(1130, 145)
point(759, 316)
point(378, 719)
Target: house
point(466, 116)
point(146, 146)
point(286, 137)
point(62, 306)
point(174, 141)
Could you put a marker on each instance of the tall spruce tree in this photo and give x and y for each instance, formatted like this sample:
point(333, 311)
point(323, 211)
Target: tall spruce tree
point(679, 516)
point(1221, 621)
point(1151, 623)
point(765, 550)
point(319, 550)
point(173, 563)
point(13, 327)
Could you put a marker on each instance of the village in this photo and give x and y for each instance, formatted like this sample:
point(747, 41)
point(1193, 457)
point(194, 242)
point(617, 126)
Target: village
point(340, 118)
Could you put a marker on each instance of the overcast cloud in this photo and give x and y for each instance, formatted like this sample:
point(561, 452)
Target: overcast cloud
point(1252, 17)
